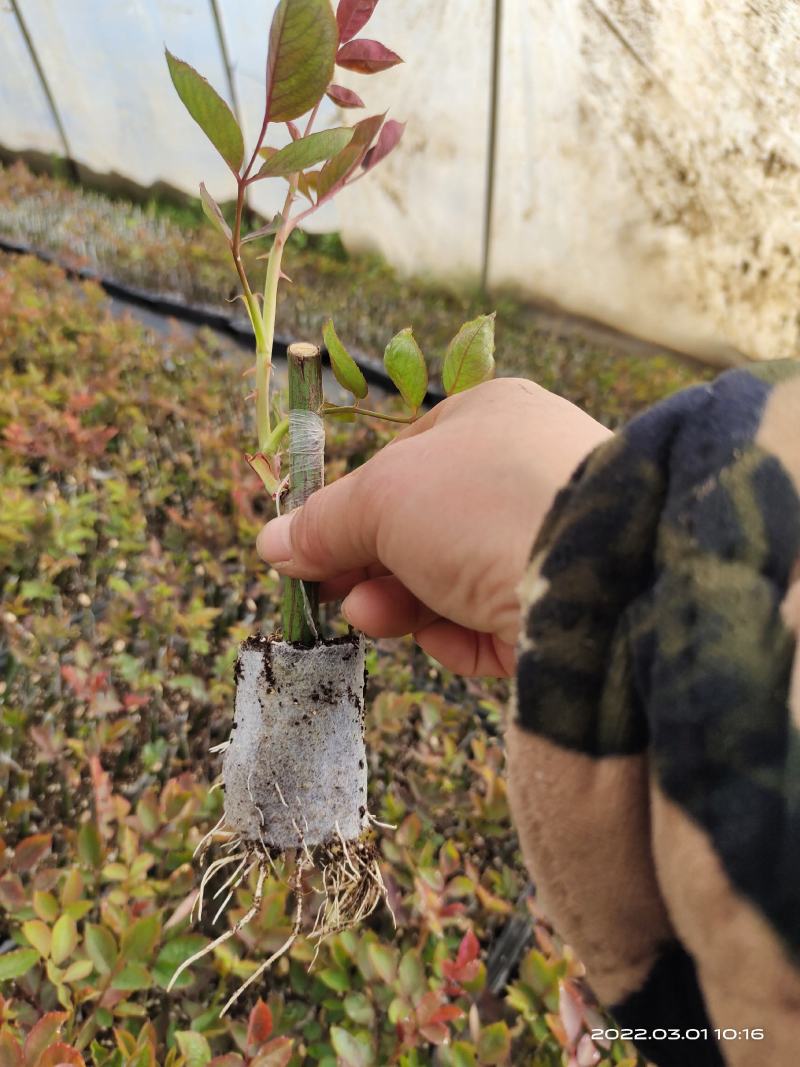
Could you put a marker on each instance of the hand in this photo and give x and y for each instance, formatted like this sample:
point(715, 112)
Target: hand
point(432, 535)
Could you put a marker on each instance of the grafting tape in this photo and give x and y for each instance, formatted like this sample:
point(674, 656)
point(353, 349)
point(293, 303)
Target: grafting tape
point(307, 450)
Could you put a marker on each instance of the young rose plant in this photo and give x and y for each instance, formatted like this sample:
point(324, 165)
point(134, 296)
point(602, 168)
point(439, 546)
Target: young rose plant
point(294, 769)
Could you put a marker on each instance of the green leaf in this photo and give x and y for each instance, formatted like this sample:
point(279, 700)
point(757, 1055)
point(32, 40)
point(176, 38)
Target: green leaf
point(345, 369)
point(139, 940)
point(78, 970)
point(172, 955)
point(132, 976)
point(90, 847)
point(469, 359)
point(45, 905)
point(213, 212)
point(463, 1054)
point(16, 963)
point(358, 1007)
point(64, 939)
point(305, 152)
point(101, 948)
point(194, 1047)
point(39, 935)
point(494, 1044)
point(351, 1051)
point(405, 365)
point(208, 110)
point(335, 979)
point(303, 39)
point(384, 960)
point(412, 974)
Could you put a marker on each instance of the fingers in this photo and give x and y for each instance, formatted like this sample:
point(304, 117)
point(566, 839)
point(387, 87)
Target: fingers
point(383, 607)
point(335, 531)
point(337, 588)
point(464, 651)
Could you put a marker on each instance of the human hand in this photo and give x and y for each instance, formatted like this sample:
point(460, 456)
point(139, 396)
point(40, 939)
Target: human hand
point(432, 535)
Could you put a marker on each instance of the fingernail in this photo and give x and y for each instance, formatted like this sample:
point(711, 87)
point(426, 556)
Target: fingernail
point(274, 543)
point(343, 609)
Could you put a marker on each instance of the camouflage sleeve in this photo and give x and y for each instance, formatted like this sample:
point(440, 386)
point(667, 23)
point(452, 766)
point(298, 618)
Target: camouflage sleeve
point(654, 755)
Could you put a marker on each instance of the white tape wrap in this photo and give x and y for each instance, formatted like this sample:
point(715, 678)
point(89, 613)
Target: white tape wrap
point(307, 449)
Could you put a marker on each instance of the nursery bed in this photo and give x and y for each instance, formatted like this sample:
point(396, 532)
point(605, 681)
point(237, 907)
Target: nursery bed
point(177, 258)
point(127, 578)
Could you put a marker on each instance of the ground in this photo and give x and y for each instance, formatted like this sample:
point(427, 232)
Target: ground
point(128, 576)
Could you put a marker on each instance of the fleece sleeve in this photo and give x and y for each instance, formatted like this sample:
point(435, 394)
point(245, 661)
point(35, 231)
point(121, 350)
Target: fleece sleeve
point(654, 744)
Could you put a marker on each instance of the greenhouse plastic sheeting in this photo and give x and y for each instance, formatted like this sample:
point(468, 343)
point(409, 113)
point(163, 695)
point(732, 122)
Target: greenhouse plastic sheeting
point(26, 122)
point(648, 168)
point(105, 67)
point(647, 160)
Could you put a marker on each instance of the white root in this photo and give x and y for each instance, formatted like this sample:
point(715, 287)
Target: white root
point(237, 926)
point(352, 888)
point(372, 821)
point(217, 865)
point(297, 886)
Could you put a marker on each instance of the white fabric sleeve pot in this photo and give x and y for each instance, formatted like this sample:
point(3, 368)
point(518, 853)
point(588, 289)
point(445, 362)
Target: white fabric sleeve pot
point(295, 771)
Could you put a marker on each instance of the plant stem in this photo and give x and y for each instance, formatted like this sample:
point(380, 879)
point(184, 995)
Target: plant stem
point(352, 409)
point(264, 350)
point(305, 394)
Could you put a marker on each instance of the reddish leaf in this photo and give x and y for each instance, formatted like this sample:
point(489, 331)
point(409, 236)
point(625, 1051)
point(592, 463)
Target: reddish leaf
point(432, 1011)
point(43, 1035)
point(468, 949)
point(352, 16)
point(388, 139)
point(276, 1053)
point(103, 797)
point(436, 1033)
point(336, 170)
point(344, 97)
point(12, 894)
point(10, 1052)
point(366, 57)
point(307, 184)
point(447, 1013)
point(134, 701)
point(61, 1055)
point(586, 1055)
point(259, 1026)
point(570, 1008)
point(46, 741)
point(31, 850)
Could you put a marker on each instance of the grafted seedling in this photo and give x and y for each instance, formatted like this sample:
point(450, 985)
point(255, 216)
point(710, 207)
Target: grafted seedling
point(294, 769)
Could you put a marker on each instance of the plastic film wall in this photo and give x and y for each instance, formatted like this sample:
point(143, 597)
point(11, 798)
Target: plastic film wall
point(644, 171)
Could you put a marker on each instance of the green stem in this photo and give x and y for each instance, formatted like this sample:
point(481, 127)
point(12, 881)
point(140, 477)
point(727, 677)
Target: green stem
point(352, 409)
point(305, 394)
point(264, 348)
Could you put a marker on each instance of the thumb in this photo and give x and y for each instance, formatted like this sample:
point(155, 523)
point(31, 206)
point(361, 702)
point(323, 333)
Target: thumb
point(336, 530)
